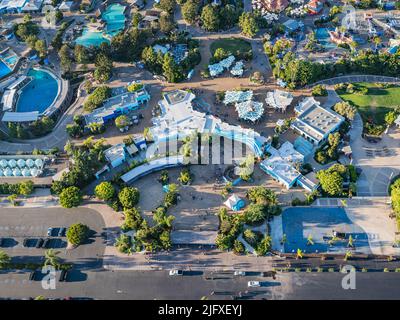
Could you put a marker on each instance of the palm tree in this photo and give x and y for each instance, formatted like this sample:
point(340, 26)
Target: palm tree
point(310, 241)
point(299, 254)
point(4, 258)
point(377, 41)
point(51, 258)
point(348, 255)
point(350, 242)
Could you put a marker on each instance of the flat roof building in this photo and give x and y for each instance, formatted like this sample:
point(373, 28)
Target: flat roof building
point(314, 122)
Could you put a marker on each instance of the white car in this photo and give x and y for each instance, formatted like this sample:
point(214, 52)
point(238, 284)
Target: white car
point(254, 284)
point(175, 272)
point(239, 273)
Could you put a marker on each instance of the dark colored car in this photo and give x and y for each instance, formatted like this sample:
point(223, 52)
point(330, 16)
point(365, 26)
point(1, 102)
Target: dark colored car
point(25, 243)
point(63, 275)
point(1, 241)
point(32, 275)
point(46, 243)
point(62, 231)
point(39, 243)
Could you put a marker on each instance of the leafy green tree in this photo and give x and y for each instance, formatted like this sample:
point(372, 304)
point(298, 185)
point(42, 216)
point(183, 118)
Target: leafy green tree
point(96, 98)
point(70, 197)
point(220, 54)
point(81, 54)
point(254, 213)
point(77, 234)
point(129, 197)
point(167, 5)
point(136, 18)
point(345, 109)
point(41, 48)
point(26, 188)
point(248, 24)
point(105, 191)
point(121, 121)
point(170, 69)
point(331, 182)
point(229, 16)
point(4, 259)
point(210, 18)
point(190, 10)
point(390, 117)
point(166, 23)
point(124, 244)
point(262, 195)
point(133, 219)
point(104, 68)
point(65, 59)
point(319, 91)
point(264, 246)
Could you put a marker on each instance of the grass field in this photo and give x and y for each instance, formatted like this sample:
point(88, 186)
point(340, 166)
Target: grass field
point(376, 103)
point(238, 47)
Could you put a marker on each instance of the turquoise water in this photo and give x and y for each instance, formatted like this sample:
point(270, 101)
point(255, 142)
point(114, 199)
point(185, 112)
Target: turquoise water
point(11, 60)
point(114, 18)
point(38, 94)
point(4, 69)
point(323, 37)
point(91, 38)
point(115, 22)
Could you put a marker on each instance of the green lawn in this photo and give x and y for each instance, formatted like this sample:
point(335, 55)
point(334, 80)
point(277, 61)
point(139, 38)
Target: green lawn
point(240, 48)
point(376, 103)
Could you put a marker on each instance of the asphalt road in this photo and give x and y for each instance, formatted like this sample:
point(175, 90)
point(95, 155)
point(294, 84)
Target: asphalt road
point(150, 285)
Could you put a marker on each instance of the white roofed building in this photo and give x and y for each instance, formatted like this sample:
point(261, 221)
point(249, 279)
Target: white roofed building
point(314, 122)
point(279, 99)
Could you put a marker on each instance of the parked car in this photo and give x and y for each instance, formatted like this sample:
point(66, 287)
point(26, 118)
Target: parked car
point(25, 242)
point(63, 276)
point(175, 272)
point(1, 241)
point(254, 284)
point(39, 243)
point(32, 275)
point(239, 273)
point(46, 243)
point(50, 232)
point(62, 231)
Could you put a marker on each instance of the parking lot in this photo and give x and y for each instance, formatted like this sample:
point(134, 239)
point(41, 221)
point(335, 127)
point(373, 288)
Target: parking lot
point(20, 230)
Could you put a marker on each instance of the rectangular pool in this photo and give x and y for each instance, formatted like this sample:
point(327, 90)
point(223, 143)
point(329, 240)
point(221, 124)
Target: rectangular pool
point(4, 69)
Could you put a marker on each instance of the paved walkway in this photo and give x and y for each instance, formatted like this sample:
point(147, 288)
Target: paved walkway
point(355, 78)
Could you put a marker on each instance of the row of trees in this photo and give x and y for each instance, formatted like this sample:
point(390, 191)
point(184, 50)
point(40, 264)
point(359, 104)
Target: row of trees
point(298, 73)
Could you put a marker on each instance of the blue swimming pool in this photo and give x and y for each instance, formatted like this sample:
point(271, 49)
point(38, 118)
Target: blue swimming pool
point(114, 18)
point(91, 38)
point(323, 38)
point(115, 22)
point(39, 93)
point(298, 223)
point(4, 69)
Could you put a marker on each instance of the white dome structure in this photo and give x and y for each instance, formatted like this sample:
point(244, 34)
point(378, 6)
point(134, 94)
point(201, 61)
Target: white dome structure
point(3, 163)
point(8, 172)
point(12, 163)
point(30, 163)
point(17, 172)
point(39, 163)
point(26, 172)
point(21, 163)
point(34, 172)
